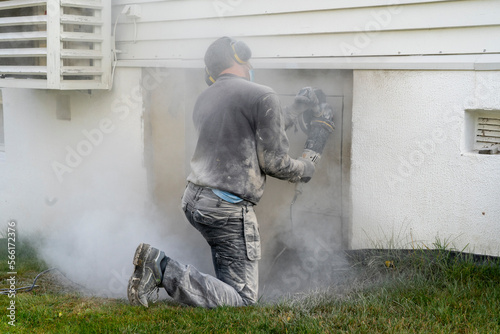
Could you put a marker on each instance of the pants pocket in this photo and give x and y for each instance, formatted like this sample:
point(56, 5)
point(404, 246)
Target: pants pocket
point(210, 218)
point(251, 233)
point(231, 271)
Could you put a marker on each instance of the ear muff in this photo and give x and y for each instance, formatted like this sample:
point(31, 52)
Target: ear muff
point(241, 52)
point(208, 77)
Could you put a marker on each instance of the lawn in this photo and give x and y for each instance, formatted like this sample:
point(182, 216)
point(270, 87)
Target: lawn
point(391, 291)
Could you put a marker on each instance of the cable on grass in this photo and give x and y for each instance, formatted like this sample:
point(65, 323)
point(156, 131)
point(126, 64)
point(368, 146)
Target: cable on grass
point(32, 286)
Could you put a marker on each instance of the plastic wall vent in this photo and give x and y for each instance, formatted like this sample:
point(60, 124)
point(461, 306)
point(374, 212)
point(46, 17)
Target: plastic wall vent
point(55, 44)
point(488, 135)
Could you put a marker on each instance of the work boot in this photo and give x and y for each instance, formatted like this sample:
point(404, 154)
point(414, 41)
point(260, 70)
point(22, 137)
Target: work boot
point(147, 275)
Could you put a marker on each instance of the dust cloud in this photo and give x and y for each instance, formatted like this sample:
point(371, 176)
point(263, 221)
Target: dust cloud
point(302, 243)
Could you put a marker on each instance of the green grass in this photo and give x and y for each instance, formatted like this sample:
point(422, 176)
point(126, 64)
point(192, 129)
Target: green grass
point(420, 291)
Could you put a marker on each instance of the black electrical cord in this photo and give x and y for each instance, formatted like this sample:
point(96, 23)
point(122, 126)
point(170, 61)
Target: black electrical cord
point(298, 191)
point(32, 286)
point(26, 288)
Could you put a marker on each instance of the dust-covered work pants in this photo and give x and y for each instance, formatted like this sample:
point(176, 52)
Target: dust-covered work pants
point(231, 230)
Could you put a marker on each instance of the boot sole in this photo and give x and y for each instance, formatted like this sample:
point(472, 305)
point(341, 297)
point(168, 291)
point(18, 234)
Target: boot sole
point(140, 254)
point(133, 282)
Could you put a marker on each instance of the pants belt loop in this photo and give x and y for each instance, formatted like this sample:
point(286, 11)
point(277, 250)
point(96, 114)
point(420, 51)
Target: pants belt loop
point(198, 193)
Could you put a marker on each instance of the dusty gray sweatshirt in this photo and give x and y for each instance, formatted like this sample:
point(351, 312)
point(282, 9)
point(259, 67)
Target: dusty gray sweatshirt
point(241, 139)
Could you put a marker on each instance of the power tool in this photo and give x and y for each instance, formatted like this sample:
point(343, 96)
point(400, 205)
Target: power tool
point(317, 124)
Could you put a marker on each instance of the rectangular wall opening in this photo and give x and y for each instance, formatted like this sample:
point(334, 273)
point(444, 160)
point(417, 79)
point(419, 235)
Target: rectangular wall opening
point(483, 131)
point(318, 221)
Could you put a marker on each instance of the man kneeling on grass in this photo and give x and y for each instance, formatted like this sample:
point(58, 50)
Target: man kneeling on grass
point(241, 139)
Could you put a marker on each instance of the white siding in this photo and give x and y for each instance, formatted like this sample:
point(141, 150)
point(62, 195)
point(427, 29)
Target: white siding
point(55, 44)
point(308, 31)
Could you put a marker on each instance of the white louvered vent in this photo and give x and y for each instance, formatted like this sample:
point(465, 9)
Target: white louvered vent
point(55, 44)
point(488, 135)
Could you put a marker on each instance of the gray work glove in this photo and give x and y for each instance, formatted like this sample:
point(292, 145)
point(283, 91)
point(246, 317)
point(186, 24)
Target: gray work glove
point(325, 111)
point(304, 100)
point(308, 170)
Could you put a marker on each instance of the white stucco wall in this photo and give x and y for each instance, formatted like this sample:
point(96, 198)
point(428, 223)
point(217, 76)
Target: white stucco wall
point(83, 187)
point(54, 167)
point(413, 181)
